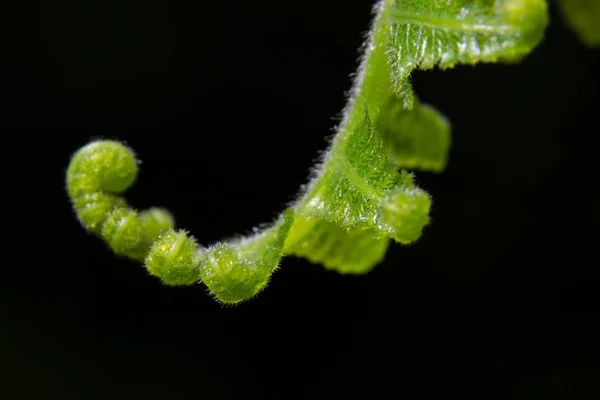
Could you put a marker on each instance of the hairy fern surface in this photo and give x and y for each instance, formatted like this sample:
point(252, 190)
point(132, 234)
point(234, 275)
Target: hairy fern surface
point(447, 32)
point(358, 199)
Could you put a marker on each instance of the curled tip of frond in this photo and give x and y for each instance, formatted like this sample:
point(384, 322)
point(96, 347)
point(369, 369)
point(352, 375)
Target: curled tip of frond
point(236, 272)
point(172, 258)
point(96, 173)
point(102, 165)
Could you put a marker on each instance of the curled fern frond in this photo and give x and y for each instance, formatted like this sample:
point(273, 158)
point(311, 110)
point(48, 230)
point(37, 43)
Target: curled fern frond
point(358, 201)
point(348, 251)
point(101, 166)
point(97, 174)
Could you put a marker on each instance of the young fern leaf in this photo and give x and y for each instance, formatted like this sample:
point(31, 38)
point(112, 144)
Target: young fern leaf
point(417, 138)
point(357, 200)
point(449, 32)
point(97, 173)
point(583, 16)
point(343, 250)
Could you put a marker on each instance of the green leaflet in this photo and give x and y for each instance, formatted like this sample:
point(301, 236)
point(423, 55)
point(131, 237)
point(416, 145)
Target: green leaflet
point(97, 173)
point(418, 138)
point(357, 200)
point(357, 185)
point(357, 203)
point(343, 250)
point(101, 166)
point(447, 32)
point(583, 16)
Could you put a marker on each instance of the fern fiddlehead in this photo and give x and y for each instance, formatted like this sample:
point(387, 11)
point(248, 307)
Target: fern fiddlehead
point(97, 174)
point(357, 201)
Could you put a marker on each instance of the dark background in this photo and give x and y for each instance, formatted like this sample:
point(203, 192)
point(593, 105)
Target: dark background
point(228, 104)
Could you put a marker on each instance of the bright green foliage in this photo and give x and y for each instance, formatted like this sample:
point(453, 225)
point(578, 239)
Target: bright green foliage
point(98, 172)
point(343, 250)
point(172, 258)
point(417, 138)
point(358, 200)
point(358, 186)
point(236, 271)
point(583, 16)
point(105, 166)
point(447, 32)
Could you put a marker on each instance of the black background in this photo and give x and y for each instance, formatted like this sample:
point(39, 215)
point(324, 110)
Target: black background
point(228, 104)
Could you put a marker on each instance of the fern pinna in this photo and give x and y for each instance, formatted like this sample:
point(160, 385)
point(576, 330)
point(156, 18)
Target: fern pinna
point(358, 199)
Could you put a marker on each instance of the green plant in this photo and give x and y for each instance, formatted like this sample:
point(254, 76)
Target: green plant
point(357, 199)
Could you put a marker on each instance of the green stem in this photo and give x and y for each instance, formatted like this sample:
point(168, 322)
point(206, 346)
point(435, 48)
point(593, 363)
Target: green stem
point(370, 89)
